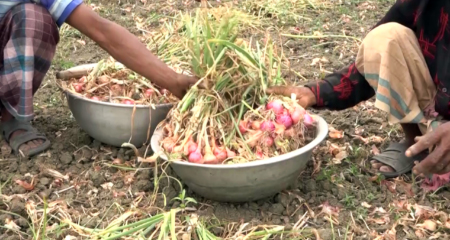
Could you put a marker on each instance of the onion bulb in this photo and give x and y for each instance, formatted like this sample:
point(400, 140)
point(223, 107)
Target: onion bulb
point(169, 144)
point(95, 98)
point(256, 125)
point(196, 157)
point(243, 126)
point(230, 153)
point(284, 119)
point(268, 141)
point(78, 87)
point(220, 153)
point(83, 79)
point(297, 114)
point(267, 126)
point(276, 106)
point(128, 102)
point(103, 79)
point(148, 92)
point(308, 120)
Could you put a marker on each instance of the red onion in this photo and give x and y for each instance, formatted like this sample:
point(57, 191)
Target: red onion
point(148, 92)
point(308, 120)
point(78, 87)
point(243, 126)
point(276, 106)
point(259, 155)
point(256, 125)
point(128, 102)
point(230, 153)
point(103, 79)
point(268, 126)
point(82, 79)
point(253, 138)
point(268, 141)
point(284, 119)
point(168, 144)
point(196, 157)
point(95, 98)
point(297, 114)
point(164, 91)
point(220, 153)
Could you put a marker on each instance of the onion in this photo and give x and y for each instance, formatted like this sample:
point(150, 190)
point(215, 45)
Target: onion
point(95, 98)
point(297, 114)
point(128, 102)
point(148, 92)
point(78, 87)
point(256, 125)
point(169, 144)
point(164, 91)
point(230, 153)
point(259, 155)
point(190, 146)
point(268, 126)
point(196, 157)
point(243, 126)
point(276, 106)
point(268, 141)
point(284, 119)
point(83, 79)
point(220, 153)
point(308, 120)
point(103, 79)
point(209, 157)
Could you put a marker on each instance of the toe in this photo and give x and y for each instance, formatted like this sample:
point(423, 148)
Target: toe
point(386, 169)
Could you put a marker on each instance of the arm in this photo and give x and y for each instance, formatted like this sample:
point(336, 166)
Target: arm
point(347, 87)
point(128, 49)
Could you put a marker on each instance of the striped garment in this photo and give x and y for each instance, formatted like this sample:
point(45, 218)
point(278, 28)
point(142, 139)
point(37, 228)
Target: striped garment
point(58, 9)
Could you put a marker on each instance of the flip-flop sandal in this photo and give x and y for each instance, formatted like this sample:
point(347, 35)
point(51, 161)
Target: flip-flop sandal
point(394, 156)
point(29, 134)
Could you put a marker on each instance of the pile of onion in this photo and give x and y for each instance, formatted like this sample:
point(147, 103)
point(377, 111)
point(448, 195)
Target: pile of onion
point(279, 127)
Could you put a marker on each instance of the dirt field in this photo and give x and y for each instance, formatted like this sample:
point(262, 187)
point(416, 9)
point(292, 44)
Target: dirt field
point(335, 198)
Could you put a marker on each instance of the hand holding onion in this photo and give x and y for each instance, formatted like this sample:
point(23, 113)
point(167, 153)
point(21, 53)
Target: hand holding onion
point(305, 96)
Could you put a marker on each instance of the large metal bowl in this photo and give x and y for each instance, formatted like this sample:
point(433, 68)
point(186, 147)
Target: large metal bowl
point(246, 181)
point(111, 123)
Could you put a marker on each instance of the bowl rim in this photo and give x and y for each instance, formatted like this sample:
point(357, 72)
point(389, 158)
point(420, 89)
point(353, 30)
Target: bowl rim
point(77, 97)
point(322, 128)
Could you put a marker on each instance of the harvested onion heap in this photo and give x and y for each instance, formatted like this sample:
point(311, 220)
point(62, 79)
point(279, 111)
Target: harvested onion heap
point(232, 120)
point(107, 83)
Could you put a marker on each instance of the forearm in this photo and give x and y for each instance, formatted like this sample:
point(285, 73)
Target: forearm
point(130, 51)
point(341, 90)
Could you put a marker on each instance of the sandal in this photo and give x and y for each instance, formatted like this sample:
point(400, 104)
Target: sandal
point(30, 134)
point(394, 157)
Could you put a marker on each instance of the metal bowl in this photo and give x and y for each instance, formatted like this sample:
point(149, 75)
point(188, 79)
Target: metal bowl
point(246, 181)
point(111, 123)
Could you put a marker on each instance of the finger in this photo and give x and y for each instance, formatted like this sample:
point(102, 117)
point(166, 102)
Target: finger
point(432, 163)
point(444, 164)
point(280, 90)
point(425, 142)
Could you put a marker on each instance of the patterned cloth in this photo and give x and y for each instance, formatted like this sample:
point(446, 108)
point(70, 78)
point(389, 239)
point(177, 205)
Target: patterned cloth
point(28, 39)
point(429, 22)
point(59, 9)
point(392, 63)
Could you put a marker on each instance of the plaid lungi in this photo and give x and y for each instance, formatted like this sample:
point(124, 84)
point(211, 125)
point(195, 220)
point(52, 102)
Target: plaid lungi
point(391, 60)
point(28, 39)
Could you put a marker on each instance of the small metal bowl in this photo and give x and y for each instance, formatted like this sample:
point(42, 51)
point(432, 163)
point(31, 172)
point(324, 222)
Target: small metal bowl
point(111, 123)
point(246, 181)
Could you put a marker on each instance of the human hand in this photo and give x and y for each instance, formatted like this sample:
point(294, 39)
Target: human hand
point(305, 96)
point(438, 161)
point(181, 85)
